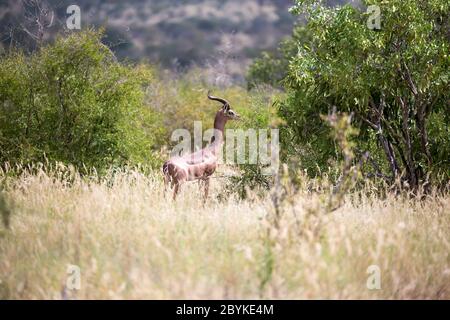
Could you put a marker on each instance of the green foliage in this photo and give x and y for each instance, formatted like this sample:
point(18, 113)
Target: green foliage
point(272, 67)
point(395, 81)
point(260, 113)
point(72, 102)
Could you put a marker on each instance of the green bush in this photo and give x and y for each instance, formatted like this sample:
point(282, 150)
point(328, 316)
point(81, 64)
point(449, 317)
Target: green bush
point(259, 113)
point(72, 102)
point(271, 68)
point(394, 80)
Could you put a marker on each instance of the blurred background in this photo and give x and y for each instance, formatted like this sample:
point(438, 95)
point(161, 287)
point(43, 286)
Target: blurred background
point(174, 34)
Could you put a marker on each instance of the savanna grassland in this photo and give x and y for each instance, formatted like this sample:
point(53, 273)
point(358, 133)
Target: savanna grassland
point(357, 208)
point(131, 242)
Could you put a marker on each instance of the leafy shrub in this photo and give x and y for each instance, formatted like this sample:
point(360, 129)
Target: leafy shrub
point(272, 67)
point(72, 102)
point(394, 80)
point(260, 113)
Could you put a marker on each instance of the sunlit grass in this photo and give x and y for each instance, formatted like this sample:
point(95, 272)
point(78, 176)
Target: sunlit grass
point(131, 242)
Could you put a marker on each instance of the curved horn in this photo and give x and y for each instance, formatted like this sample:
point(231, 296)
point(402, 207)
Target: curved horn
point(217, 99)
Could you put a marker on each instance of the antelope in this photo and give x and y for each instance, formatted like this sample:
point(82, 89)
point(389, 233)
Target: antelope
point(201, 164)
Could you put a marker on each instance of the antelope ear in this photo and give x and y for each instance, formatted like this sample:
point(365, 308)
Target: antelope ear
point(226, 107)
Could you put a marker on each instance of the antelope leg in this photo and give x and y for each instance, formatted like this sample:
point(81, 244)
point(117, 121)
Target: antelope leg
point(175, 190)
point(206, 188)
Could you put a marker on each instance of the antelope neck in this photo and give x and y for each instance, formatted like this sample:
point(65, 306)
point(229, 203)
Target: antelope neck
point(219, 126)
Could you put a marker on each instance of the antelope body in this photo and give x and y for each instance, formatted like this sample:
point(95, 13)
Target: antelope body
point(202, 164)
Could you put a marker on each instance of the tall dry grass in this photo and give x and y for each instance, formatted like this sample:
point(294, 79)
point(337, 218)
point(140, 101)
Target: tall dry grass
point(131, 242)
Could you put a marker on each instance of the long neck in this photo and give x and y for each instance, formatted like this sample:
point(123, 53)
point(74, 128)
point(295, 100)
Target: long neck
point(219, 126)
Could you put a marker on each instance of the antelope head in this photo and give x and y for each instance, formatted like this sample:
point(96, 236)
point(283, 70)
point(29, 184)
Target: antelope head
point(226, 110)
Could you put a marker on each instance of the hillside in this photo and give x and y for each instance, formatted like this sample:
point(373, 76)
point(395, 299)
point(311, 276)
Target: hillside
point(174, 34)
